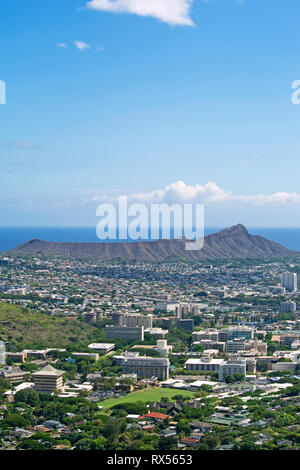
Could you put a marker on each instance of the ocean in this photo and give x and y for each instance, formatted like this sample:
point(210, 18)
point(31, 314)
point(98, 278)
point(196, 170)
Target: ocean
point(10, 237)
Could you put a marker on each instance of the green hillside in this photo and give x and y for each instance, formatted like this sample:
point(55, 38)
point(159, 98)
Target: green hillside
point(26, 328)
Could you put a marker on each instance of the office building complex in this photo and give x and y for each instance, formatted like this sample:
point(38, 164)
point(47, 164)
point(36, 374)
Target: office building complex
point(236, 332)
point(231, 367)
point(48, 380)
point(187, 325)
point(211, 334)
point(146, 367)
point(235, 345)
point(124, 332)
point(203, 364)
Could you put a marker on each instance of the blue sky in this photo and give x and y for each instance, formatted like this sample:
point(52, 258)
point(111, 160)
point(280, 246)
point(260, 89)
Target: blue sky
point(191, 102)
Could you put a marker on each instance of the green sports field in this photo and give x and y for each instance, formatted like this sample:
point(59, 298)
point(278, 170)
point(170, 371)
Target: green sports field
point(152, 394)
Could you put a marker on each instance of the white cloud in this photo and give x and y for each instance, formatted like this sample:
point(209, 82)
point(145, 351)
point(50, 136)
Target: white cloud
point(174, 12)
point(62, 45)
point(82, 46)
point(24, 144)
point(209, 194)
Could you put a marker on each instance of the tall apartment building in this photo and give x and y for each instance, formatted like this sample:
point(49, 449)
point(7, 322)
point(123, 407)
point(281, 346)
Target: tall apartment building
point(90, 318)
point(288, 307)
point(289, 281)
point(124, 332)
point(133, 320)
point(2, 354)
point(183, 309)
point(48, 380)
point(117, 317)
point(146, 367)
point(168, 323)
point(231, 367)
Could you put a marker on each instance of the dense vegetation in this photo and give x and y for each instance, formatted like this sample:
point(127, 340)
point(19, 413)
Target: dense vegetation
point(25, 328)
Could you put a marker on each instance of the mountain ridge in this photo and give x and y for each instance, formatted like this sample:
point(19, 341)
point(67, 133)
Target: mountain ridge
point(232, 242)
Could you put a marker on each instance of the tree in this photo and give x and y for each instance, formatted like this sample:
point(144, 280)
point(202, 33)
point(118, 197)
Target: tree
point(14, 420)
point(166, 443)
point(29, 367)
point(84, 444)
point(28, 396)
point(31, 444)
point(211, 441)
point(99, 443)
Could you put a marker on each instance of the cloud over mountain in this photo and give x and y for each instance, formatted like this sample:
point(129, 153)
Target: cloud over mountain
point(209, 194)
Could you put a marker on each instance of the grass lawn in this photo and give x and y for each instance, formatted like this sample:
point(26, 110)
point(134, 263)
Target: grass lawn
point(151, 394)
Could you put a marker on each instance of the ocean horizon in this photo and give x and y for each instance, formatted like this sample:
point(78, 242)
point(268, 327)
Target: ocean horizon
point(11, 237)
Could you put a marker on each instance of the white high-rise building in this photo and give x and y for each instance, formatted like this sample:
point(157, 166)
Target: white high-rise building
point(289, 281)
point(2, 353)
point(287, 307)
point(132, 320)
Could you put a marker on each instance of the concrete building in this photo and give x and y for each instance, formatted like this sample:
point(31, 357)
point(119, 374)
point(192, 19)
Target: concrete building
point(231, 367)
point(183, 309)
point(117, 317)
point(93, 356)
point(102, 348)
point(90, 318)
point(13, 374)
point(36, 354)
point(124, 332)
point(288, 339)
point(16, 357)
point(146, 367)
point(211, 334)
point(163, 348)
point(289, 281)
point(2, 353)
point(203, 364)
point(236, 332)
point(281, 366)
point(209, 344)
point(132, 320)
point(157, 332)
point(235, 345)
point(277, 290)
point(48, 380)
point(187, 325)
point(288, 307)
point(166, 306)
point(168, 323)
